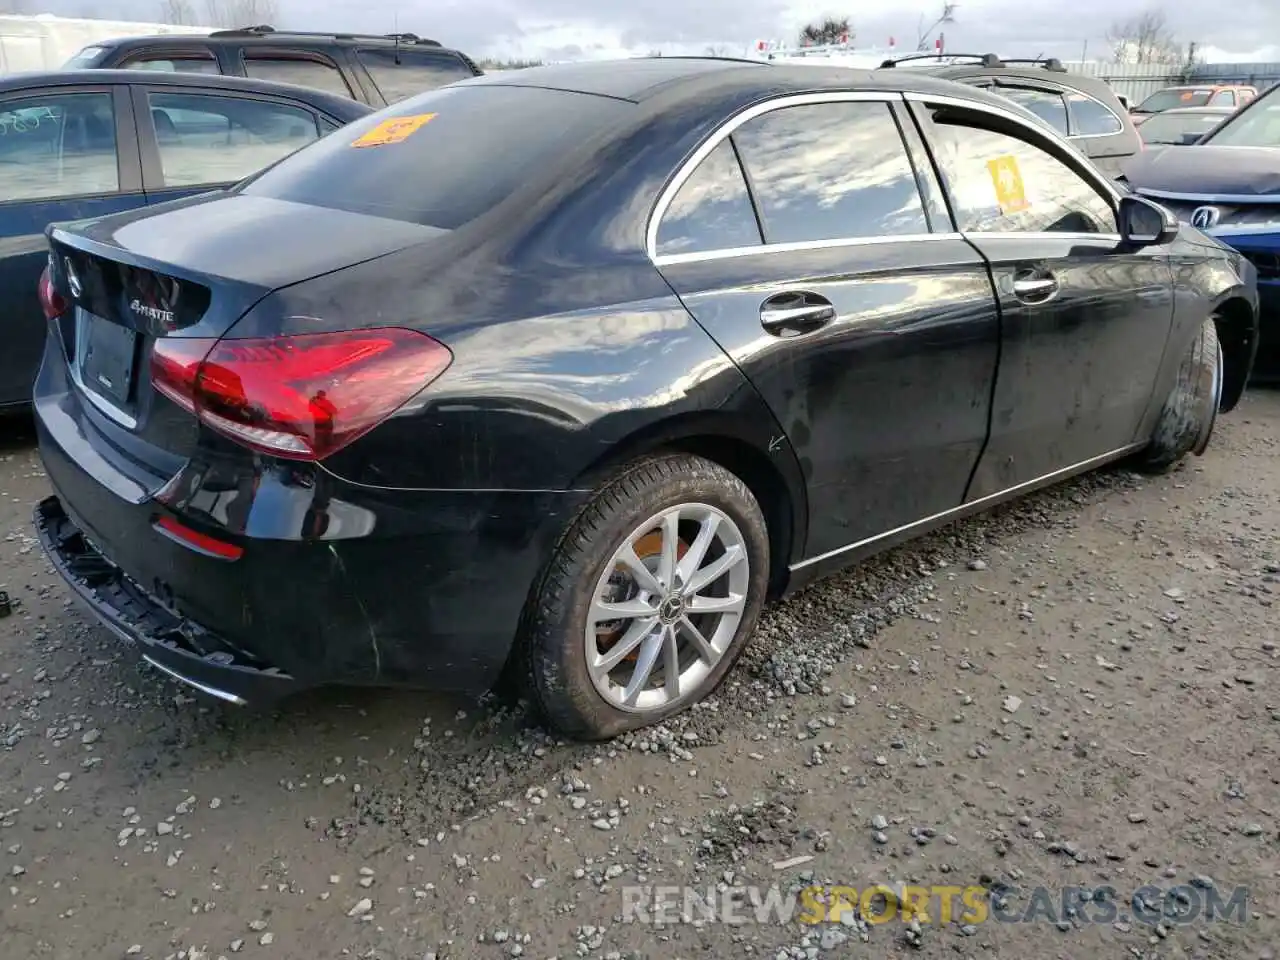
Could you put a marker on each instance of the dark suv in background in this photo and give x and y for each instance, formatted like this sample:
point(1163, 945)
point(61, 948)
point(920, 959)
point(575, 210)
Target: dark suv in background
point(1084, 110)
point(374, 69)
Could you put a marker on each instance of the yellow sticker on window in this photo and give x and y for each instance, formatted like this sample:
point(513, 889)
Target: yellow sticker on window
point(1007, 179)
point(393, 131)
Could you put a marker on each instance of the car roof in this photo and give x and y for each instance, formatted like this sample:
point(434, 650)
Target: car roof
point(644, 78)
point(46, 79)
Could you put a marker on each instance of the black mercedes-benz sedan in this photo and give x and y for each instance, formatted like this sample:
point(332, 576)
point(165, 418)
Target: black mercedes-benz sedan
point(571, 369)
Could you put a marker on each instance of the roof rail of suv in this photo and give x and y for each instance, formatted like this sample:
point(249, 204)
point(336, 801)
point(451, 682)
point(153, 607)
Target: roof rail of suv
point(987, 59)
point(1049, 63)
point(264, 29)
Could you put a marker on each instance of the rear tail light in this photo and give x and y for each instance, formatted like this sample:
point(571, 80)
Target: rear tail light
point(302, 397)
point(52, 302)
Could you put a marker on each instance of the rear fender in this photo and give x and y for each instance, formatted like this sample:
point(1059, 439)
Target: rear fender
point(747, 441)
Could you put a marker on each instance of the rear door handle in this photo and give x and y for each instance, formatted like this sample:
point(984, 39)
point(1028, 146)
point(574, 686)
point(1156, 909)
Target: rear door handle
point(789, 314)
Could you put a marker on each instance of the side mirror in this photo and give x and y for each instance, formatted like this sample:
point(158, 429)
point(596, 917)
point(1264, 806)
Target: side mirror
point(1145, 224)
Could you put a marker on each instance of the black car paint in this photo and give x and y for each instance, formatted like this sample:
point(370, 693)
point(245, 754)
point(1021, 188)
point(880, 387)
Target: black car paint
point(228, 51)
point(409, 556)
point(23, 222)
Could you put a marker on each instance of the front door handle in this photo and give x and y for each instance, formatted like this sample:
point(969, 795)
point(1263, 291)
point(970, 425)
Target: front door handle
point(1034, 286)
point(790, 314)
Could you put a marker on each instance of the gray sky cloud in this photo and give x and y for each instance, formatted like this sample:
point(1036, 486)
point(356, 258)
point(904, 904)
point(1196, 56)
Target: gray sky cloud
point(617, 27)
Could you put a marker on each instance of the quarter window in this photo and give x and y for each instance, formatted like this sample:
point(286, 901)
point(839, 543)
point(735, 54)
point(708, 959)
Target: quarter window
point(403, 74)
point(1002, 184)
point(1045, 105)
point(831, 171)
point(205, 139)
point(711, 210)
point(58, 146)
point(316, 74)
point(1089, 118)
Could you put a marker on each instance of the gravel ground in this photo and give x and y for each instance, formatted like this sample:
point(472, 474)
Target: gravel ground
point(1074, 692)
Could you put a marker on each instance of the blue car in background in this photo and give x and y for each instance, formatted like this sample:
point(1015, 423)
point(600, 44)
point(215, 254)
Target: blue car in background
point(81, 144)
point(1228, 185)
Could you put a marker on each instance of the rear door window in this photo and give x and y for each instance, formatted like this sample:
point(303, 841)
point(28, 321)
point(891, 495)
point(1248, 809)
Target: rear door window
point(1089, 118)
point(1224, 98)
point(207, 139)
point(1004, 184)
point(58, 146)
point(401, 74)
point(1048, 105)
point(711, 210)
point(316, 72)
point(443, 158)
point(831, 171)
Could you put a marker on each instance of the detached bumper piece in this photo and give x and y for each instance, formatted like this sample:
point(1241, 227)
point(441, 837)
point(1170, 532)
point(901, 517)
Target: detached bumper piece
point(172, 644)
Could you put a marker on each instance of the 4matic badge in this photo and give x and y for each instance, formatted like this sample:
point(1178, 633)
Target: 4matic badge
point(151, 313)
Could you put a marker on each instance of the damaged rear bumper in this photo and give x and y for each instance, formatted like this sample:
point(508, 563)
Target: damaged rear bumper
point(173, 644)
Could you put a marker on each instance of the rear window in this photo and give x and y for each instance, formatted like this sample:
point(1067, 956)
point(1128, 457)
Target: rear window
point(85, 58)
point(443, 158)
point(1172, 97)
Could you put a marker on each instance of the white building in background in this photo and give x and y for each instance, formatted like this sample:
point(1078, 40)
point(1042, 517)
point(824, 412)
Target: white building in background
point(46, 42)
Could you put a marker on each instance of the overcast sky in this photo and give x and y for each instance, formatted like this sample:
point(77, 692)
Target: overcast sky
point(567, 29)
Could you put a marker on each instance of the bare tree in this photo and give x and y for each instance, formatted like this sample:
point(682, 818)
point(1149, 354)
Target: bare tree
point(948, 15)
point(180, 12)
point(826, 30)
point(717, 50)
point(1145, 38)
point(241, 13)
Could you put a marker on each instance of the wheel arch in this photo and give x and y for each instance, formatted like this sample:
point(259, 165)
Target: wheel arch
point(1237, 323)
point(767, 465)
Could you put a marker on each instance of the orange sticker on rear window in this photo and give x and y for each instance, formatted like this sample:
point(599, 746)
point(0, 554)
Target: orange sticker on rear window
point(393, 131)
point(1007, 179)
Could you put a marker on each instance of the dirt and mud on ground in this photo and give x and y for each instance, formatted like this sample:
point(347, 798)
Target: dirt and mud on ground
point(1078, 692)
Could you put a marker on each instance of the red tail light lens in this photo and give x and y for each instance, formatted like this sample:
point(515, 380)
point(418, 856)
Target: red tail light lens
point(303, 397)
point(52, 302)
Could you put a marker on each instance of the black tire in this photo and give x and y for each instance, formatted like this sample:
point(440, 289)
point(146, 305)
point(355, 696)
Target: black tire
point(553, 636)
point(1186, 421)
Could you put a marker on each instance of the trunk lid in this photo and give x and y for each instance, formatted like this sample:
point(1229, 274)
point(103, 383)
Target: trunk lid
point(190, 269)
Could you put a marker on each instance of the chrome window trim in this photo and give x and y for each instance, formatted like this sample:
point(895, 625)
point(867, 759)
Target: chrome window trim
point(726, 253)
point(1209, 198)
point(687, 168)
point(747, 114)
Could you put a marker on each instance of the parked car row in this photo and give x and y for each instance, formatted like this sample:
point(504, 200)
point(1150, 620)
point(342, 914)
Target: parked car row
point(1228, 185)
point(82, 144)
point(568, 373)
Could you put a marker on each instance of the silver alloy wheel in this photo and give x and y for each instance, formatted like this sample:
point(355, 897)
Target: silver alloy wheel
point(667, 607)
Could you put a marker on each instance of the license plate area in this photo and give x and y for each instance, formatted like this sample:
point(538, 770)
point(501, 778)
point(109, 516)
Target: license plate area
point(106, 359)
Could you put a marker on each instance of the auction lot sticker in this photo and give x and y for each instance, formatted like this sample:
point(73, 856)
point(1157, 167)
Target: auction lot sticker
point(1007, 179)
point(395, 130)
